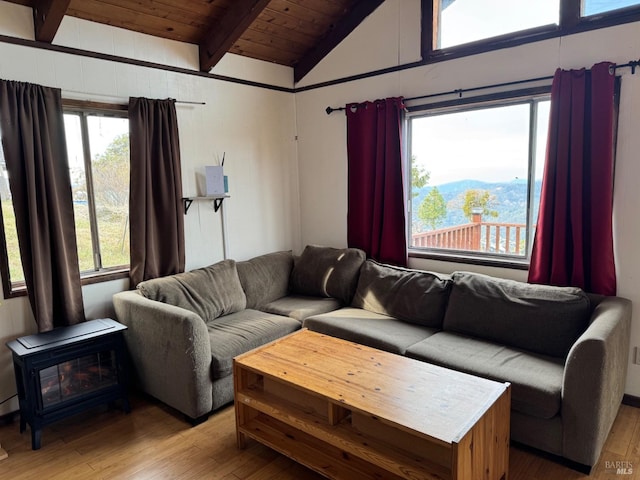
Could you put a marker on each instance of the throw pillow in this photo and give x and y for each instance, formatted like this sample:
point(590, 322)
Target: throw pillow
point(539, 318)
point(265, 278)
point(210, 292)
point(414, 296)
point(327, 272)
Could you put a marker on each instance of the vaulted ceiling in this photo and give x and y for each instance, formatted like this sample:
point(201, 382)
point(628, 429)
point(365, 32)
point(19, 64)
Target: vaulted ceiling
point(296, 33)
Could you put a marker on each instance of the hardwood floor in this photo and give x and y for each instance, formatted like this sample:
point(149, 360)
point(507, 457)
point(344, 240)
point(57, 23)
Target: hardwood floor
point(154, 442)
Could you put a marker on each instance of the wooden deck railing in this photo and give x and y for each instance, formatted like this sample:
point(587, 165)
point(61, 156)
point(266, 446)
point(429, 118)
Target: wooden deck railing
point(503, 238)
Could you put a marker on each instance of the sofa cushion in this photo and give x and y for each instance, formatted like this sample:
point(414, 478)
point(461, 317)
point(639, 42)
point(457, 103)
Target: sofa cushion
point(301, 307)
point(265, 278)
point(209, 291)
point(536, 380)
point(411, 295)
point(327, 272)
point(240, 332)
point(539, 318)
point(369, 328)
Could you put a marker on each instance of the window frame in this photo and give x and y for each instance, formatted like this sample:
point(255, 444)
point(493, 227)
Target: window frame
point(479, 102)
point(570, 21)
point(19, 288)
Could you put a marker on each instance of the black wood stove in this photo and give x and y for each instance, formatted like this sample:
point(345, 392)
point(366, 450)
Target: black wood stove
point(67, 370)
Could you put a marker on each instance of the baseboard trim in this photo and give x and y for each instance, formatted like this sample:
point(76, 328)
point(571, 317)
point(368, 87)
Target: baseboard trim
point(631, 400)
point(9, 418)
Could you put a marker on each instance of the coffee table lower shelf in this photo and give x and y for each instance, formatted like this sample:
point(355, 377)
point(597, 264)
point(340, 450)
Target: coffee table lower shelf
point(337, 450)
point(307, 450)
point(339, 426)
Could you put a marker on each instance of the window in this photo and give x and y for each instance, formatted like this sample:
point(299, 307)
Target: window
point(9, 223)
point(98, 154)
point(463, 21)
point(476, 173)
point(465, 27)
point(98, 149)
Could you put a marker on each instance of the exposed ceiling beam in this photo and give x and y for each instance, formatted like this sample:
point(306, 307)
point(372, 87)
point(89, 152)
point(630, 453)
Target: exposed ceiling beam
point(340, 31)
point(47, 16)
point(228, 29)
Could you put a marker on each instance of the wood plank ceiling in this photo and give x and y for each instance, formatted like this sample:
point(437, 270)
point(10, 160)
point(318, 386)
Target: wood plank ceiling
point(296, 33)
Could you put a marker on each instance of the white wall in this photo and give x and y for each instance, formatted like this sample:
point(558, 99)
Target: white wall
point(322, 137)
point(254, 126)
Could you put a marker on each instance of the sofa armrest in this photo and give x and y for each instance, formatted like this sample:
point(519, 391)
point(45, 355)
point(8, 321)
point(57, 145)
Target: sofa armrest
point(170, 350)
point(594, 380)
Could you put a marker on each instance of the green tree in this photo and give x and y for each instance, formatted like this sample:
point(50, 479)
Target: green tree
point(110, 172)
point(479, 200)
point(419, 178)
point(433, 209)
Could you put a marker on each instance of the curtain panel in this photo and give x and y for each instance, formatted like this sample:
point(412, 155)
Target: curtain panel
point(574, 237)
point(155, 200)
point(35, 151)
point(376, 208)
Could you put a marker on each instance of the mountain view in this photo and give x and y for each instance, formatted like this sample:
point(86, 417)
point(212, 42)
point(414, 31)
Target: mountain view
point(510, 201)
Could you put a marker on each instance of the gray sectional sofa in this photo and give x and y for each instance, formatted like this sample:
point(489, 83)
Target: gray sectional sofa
point(564, 351)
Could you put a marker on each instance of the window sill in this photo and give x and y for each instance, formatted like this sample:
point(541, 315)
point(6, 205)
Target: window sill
point(470, 259)
point(105, 275)
point(19, 289)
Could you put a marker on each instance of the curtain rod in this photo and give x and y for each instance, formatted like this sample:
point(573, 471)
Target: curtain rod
point(633, 64)
point(186, 102)
point(458, 91)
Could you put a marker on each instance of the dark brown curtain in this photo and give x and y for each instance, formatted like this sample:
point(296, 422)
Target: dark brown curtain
point(155, 201)
point(35, 150)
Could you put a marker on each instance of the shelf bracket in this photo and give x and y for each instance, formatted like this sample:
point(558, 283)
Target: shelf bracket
point(216, 201)
point(187, 203)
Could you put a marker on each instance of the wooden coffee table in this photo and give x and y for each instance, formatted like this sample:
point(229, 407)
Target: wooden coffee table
point(349, 411)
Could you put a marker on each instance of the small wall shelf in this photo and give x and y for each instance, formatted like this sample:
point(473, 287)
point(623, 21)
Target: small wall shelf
point(216, 199)
point(217, 205)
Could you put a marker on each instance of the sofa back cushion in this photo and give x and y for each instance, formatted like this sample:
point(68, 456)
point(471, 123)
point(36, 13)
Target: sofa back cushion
point(210, 291)
point(327, 272)
point(538, 318)
point(410, 295)
point(265, 278)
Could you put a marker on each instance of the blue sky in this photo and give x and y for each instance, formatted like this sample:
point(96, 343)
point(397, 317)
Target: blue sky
point(592, 7)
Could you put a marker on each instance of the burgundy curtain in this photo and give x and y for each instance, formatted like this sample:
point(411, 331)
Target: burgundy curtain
point(35, 151)
point(574, 238)
point(376, 211)
point(155, 199)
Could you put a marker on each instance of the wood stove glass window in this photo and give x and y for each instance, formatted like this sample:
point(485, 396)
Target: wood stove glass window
point(78, 377)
